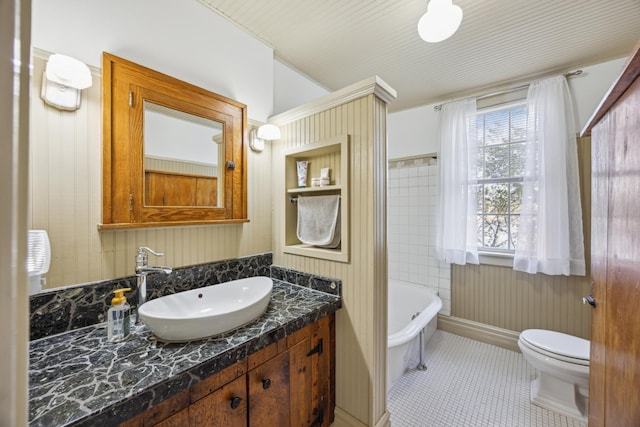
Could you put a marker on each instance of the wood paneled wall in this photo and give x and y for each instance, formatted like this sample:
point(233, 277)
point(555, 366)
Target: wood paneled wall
point(361, 324)
point(65, 200)
point(502, 297)
point(177, 166)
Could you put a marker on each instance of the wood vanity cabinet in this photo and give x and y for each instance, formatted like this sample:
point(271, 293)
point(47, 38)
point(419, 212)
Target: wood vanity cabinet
point(289, 383)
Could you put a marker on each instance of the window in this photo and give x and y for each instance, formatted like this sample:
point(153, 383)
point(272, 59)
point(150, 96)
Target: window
point(501, 163)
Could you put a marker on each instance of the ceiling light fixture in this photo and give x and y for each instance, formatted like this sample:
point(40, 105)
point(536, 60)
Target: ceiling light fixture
point(440, 22)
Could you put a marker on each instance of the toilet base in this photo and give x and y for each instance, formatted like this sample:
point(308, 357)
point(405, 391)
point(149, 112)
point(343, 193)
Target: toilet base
point(559, 396)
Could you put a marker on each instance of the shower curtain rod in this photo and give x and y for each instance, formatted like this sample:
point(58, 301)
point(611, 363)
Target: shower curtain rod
point(511, 89)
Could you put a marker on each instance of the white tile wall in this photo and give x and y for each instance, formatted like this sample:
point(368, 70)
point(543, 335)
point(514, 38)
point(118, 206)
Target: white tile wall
point(413, 197)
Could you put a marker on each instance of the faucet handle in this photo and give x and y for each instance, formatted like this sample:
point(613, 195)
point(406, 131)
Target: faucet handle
point(142, 249)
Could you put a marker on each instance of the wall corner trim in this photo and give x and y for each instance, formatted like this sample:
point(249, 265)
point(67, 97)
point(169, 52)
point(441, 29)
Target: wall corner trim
point(372, 85)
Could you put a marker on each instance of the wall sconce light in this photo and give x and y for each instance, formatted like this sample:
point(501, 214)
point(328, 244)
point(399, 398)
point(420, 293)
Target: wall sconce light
point(63, 80)
point(440, 22)
point(263, 133)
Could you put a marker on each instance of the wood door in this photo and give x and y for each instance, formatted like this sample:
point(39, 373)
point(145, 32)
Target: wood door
point(599, 223)
point(226, 407)
point(268, 386)
point(615, 357)
point(622, 367)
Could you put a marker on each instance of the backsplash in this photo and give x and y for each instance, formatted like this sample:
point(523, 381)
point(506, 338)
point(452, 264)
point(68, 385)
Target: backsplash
point(65, 309)
point(319, 283)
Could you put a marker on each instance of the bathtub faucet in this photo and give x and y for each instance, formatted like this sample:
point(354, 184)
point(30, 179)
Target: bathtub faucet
point(142, 269)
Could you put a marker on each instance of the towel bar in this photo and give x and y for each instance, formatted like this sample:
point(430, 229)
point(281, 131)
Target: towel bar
point(294, 199)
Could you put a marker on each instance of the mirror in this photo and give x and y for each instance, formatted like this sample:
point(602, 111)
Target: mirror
point(173, 153)
point(184, 150)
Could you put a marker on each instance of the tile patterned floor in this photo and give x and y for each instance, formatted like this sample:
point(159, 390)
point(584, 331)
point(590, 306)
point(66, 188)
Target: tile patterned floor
point(469, 384)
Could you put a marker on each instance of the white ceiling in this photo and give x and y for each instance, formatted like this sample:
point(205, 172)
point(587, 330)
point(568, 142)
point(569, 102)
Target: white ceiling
point(500, 42)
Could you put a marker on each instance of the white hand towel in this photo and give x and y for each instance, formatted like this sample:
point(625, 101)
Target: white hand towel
point(319, 220)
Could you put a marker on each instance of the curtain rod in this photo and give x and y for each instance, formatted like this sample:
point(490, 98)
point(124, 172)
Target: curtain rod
point(512, 89)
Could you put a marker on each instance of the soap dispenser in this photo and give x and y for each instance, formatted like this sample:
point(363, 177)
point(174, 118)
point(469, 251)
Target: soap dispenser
point(118, 323)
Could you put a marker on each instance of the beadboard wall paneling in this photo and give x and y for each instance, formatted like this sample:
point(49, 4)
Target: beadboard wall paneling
point(361, 323)
point(381, 263)
point(65, 199)
point(502, 297)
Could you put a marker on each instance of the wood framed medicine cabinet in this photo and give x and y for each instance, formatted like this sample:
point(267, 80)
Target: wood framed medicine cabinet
point(202, 184)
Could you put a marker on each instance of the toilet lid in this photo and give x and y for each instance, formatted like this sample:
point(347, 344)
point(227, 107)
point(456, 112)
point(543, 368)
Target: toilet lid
point(558, 343)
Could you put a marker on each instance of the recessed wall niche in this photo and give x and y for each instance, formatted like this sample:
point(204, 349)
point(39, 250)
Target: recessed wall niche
point(333, 154)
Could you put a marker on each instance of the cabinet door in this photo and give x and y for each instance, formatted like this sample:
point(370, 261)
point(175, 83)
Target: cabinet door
point(269, 393)
point(226, 407)
point(300, 378)
point(323, 338)
point(312, 374)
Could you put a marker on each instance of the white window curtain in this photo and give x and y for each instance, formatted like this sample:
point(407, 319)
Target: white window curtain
point(457, 237)
point(550, 236)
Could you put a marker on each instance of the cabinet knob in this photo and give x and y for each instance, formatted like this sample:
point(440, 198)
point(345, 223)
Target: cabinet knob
point(266, 383)
point(235, 402)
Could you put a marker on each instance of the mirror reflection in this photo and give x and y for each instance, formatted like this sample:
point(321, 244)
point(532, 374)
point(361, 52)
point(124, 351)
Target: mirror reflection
point(181, 156)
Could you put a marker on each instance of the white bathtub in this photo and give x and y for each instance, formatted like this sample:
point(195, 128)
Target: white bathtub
point(407, 300)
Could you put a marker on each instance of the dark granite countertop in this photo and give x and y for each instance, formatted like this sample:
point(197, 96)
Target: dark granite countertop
point(77, 378)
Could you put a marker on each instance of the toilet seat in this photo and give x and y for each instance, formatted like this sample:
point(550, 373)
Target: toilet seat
point(557, 345)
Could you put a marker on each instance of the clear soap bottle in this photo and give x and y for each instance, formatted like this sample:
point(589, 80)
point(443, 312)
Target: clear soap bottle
point(118, 323)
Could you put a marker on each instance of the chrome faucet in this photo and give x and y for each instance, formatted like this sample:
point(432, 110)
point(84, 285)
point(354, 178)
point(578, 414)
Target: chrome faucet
point(142, 269)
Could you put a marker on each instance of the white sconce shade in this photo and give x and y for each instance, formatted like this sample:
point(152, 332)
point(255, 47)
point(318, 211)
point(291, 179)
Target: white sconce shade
point(63, 80)
point(269, 132)
point(263, 133)
point(441, 21)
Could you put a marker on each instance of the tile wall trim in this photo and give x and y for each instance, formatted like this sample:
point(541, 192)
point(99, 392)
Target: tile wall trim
point(413, 161)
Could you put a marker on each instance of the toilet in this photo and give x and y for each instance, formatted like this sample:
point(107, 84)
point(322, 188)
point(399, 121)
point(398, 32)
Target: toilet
point(562, 371)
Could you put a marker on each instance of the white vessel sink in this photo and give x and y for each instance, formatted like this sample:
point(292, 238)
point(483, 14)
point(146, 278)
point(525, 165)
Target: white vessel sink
point(205, 312)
